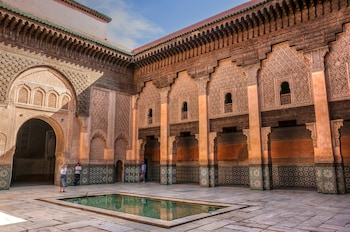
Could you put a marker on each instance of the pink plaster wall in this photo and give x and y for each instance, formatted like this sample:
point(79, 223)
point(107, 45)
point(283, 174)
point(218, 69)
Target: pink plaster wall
point(64, 15)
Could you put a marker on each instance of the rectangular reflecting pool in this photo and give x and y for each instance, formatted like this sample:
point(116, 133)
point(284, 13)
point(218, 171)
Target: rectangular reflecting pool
point(142, 206)
point(157, 211)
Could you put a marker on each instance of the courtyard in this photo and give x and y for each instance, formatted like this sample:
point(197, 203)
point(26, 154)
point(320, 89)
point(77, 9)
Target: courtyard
point(274, 210)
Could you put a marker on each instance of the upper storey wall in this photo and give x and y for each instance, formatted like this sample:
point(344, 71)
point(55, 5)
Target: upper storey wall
point(246, 36)
point(68, 15)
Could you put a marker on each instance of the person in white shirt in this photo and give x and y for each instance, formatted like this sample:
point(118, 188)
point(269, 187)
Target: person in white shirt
point(63, 178)
point(77, 170)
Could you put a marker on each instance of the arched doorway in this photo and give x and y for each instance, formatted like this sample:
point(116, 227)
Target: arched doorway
point(152, 159)
point(34, 158)
point(119, 171)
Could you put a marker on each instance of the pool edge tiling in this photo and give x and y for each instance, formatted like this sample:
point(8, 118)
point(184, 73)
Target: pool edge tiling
point(146, 220)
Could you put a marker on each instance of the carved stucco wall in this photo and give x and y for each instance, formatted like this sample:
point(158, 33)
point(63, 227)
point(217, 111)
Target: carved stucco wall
point(185, 89)
point(285, 64)
point(149, 99)
point(122, 121)
point(337, 67)
point(42, 87)
point(3, 140)
point(227, 78)
point(97, 146)
point(99, 110)
point(14, 61)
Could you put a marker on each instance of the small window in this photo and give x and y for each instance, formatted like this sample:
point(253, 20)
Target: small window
point(23, 95)
point(228, 103)
point(52, 101)
point(38, 98)
point(150, 116)
point(184, 110)
point(285, 93)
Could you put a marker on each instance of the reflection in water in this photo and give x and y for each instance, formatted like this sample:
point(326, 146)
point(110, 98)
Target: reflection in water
point(146, 207)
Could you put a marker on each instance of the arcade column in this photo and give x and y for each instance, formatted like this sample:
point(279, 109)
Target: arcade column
point(323, 149)
point(255, 150)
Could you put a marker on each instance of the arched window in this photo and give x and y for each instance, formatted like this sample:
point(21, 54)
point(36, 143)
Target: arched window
point(52, 101)
point(150, 116)
point(228, 103)
point(184, 110)
point(23, 95)
point(38, 98)
point(65, 102)
point(285, 93)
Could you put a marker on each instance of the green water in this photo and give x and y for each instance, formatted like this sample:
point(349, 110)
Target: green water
point(146, 207)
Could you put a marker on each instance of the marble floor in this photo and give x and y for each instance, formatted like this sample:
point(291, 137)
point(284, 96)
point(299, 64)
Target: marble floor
point(22, 209)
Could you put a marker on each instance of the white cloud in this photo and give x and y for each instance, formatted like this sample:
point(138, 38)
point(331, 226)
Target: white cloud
point(127, 27)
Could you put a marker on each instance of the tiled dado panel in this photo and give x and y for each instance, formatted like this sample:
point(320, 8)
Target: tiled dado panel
point(294, 177)
point(237, 175)
point(98, 174)
point(187, 174)
point(167, 174)
point(132, 173)
point(347, 177)
point(5, 176)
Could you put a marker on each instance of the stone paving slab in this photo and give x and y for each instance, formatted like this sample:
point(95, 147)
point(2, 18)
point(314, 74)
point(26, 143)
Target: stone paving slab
point(274, 210)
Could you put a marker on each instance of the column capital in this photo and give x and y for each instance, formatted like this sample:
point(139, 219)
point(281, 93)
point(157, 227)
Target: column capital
point(201, 70)
point(265, 131)
point(134, 101)
point(312, 128)
point(316, 58)
point(85, 123)
point(141, 144)
point(164, 93)
point(246, 134)
point(251, 71)
point(202, 85)
point(336, 125)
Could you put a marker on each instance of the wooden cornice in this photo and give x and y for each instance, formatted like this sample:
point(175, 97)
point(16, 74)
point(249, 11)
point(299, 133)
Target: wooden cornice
point(257, 20)
point(248, 22)
point(27, 31)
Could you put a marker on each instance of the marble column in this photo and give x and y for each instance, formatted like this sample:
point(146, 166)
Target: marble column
point(338, 160)
point(203, 136)
point(132, 159)
point(109, 150)
point(84, 150)
point(164, 135)
point(323, 151)
point(255, 152)
point(213, 161)
point(266, 159)
point(171, 168)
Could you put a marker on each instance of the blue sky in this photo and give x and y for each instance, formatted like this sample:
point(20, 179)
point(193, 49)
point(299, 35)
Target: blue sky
point(138, 22)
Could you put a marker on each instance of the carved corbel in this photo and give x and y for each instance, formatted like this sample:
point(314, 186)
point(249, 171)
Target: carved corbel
point(164, 95)
point(312, 127)
point(251, 71)
point(265, 131)
point(246, 133)
point(316, 57)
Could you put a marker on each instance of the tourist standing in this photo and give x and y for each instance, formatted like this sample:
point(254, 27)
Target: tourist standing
point(143, 172)
point(63, 177)
point(77, 170)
